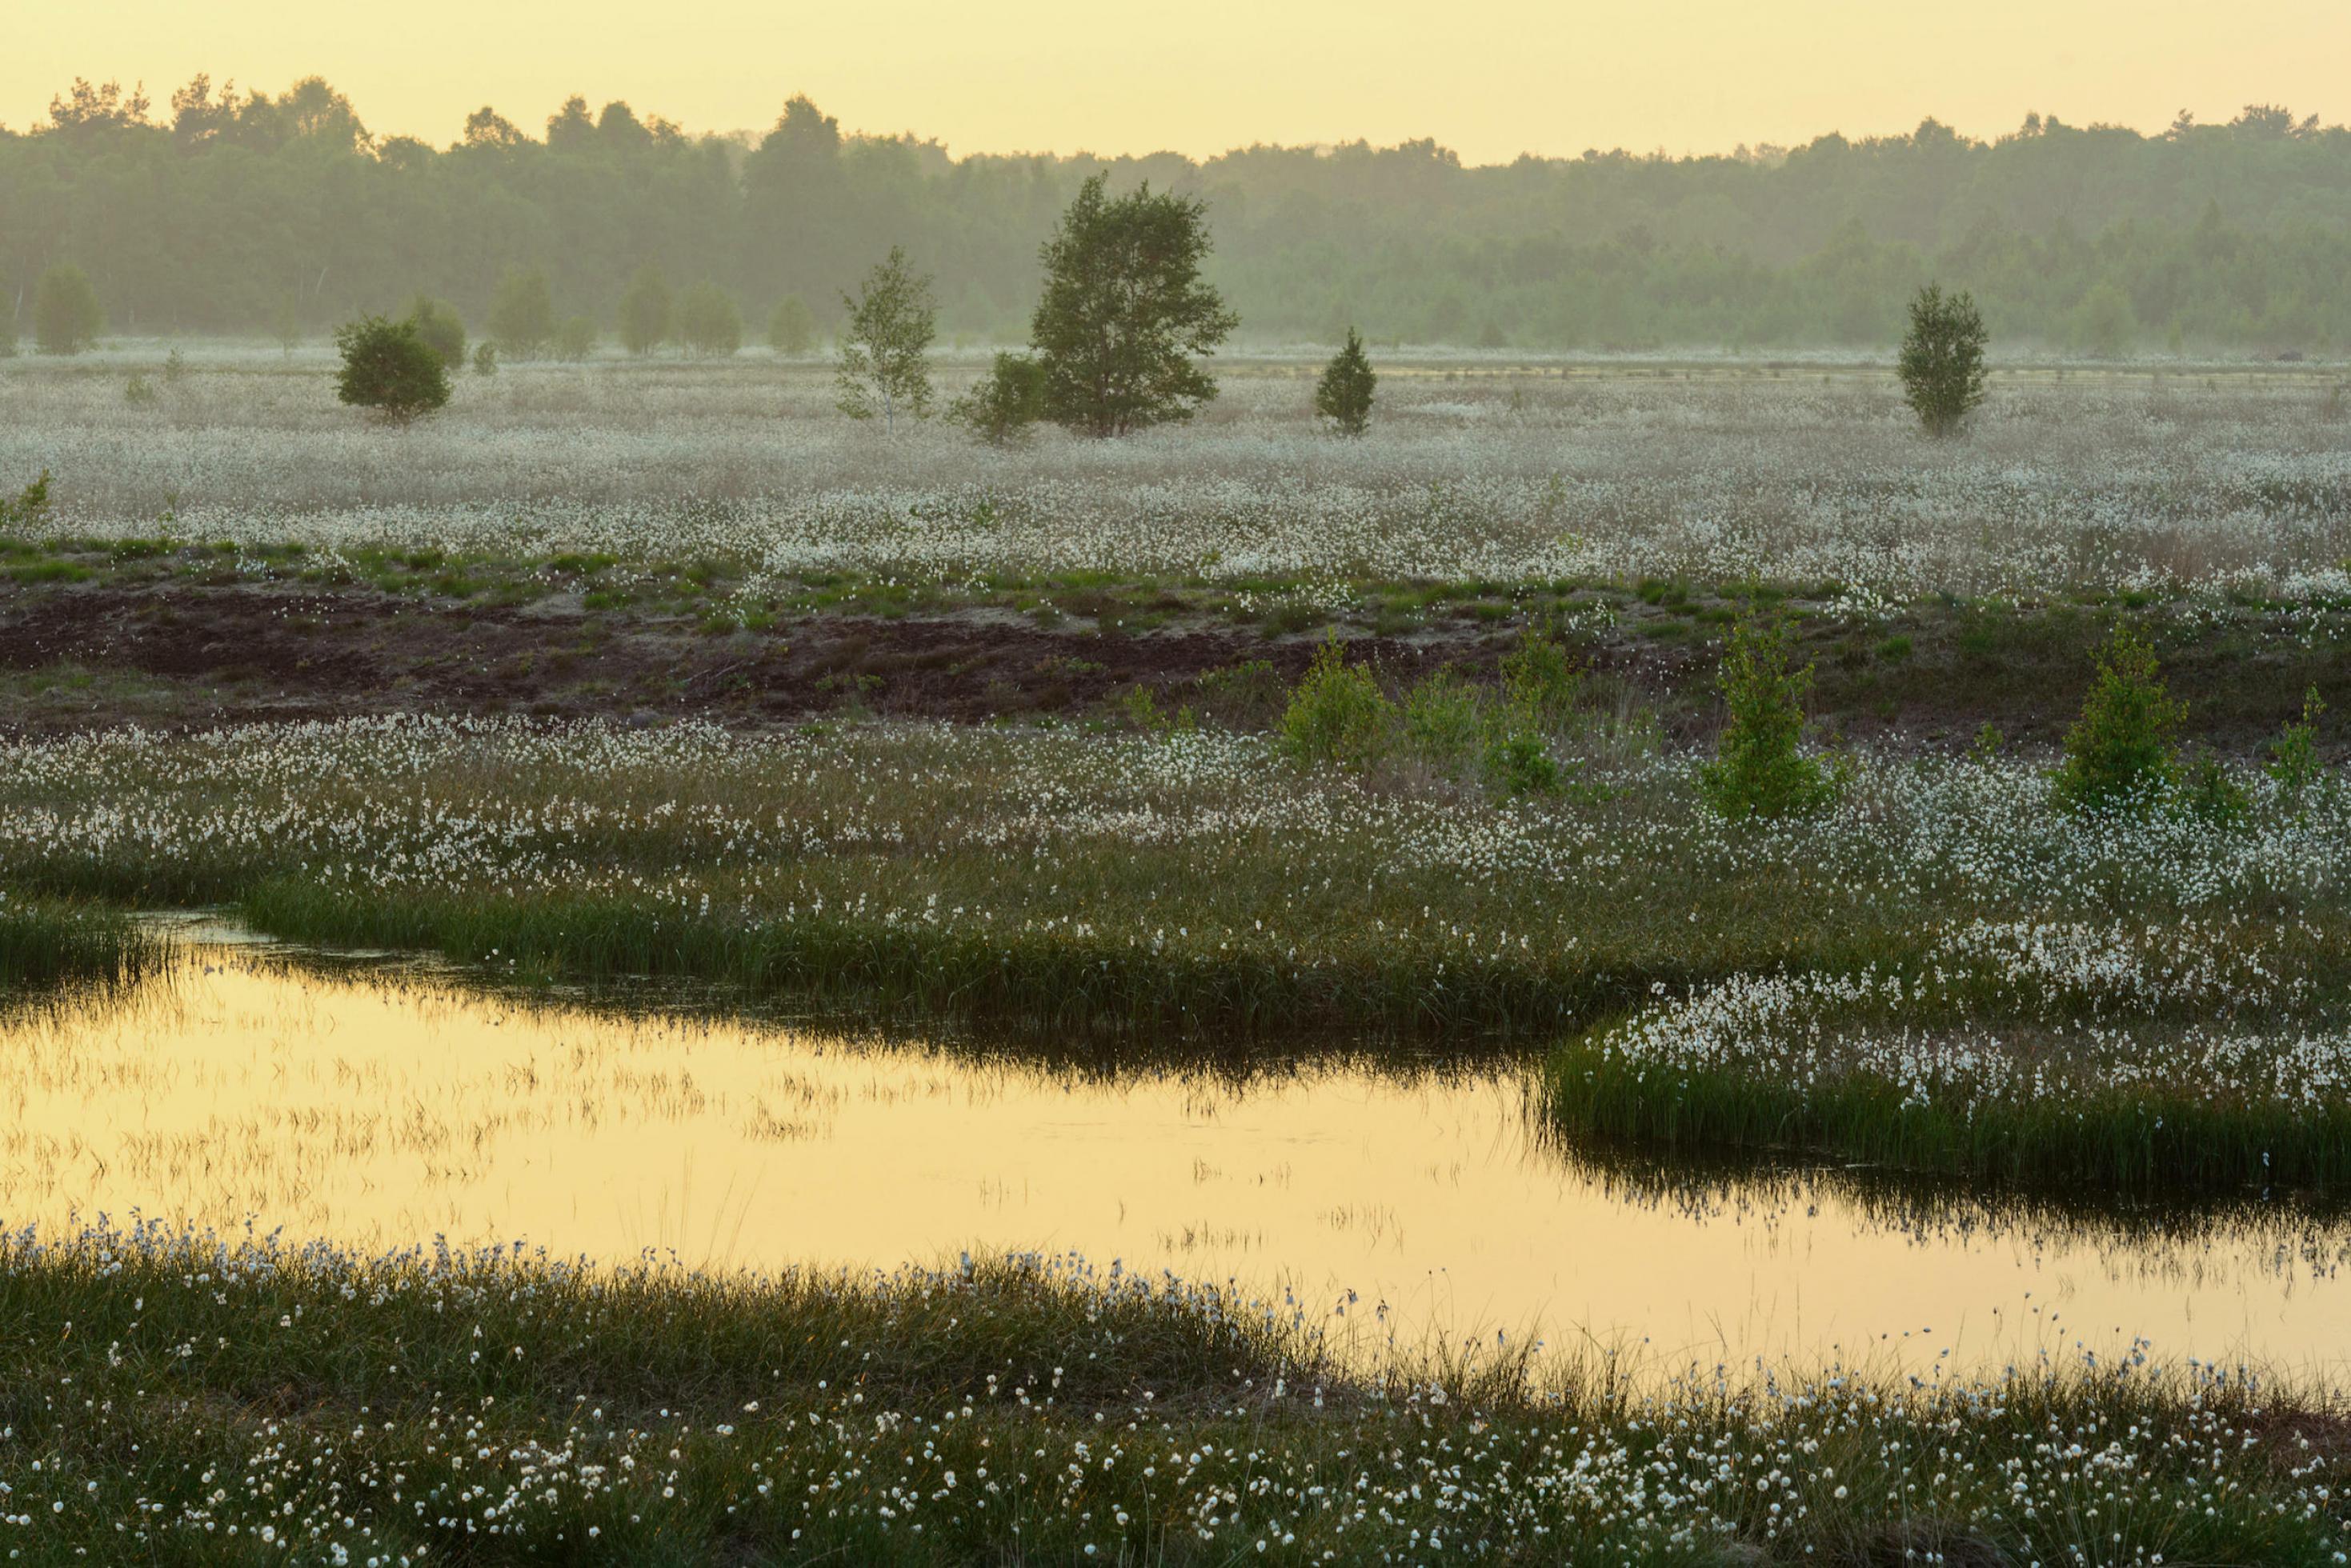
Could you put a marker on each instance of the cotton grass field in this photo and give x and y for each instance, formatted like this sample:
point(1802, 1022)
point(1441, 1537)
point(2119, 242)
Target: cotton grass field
point(2145, 478)
point(1228, 749)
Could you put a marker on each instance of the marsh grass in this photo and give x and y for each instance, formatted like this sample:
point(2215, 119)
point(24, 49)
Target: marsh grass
point(2140, 1138)
point(169, 1397)
point(45, 942)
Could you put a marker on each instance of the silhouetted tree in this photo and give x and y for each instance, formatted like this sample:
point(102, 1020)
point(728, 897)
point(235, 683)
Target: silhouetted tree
point(1343, 396)
point(1942, 362)
point(886, 348)
point(390, 370)
point(1125, 312)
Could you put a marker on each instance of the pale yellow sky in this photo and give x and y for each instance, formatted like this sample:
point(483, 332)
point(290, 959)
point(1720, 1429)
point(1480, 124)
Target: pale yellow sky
point(1488, 77)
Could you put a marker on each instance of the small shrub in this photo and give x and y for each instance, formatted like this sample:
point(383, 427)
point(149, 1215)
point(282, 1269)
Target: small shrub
point(1337, 713)
point(137, 392)
point(1988, 745)
point(1519, 762)
point(2119, 752)
point(1540, 679)
point(175, 367)
point(2294, 756)
point(1758, 770)
point(1343, 396)
point(1142, 710)
point(1004, 406)
point(1444, 723)
point(486, 359)
point(388, 367)
point(2212, 794)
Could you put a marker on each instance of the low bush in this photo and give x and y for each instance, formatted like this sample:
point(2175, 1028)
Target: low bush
point(2120, 754)
point(1337, 713)
point(1758, 770)
point(390, 370)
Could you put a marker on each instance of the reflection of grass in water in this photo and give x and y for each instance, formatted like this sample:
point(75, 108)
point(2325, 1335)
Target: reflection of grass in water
point(1009, 1047)
point(2166, 1229)
point(274, 1114)
point(496, 1408)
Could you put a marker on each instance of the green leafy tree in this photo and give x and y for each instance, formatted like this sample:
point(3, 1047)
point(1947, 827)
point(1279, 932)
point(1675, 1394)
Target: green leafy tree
point(388, 367)
point(1125, 312)
point(886, 348)
point(791, 329)
point(1942, 361)
point(1004, 405)
point(1757, 769)
point(645, 311)
point(2120, 754)
point(522, 317)
point(66, 314)
point(1343, 396)
point(708, 321)
point(1337, 713)
point(437, 322)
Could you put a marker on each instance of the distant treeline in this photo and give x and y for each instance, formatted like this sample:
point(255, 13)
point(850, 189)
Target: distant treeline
point(236, 211)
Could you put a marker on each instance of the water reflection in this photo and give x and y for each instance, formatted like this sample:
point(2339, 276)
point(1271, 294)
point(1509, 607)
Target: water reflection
point(384, 1104)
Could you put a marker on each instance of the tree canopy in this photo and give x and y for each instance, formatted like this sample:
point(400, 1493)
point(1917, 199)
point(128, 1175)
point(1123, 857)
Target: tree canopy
point(389, 367)
point(1125, 315)
point(2227, 234)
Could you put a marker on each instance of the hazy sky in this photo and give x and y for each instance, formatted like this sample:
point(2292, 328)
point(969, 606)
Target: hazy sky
point(1489, 77)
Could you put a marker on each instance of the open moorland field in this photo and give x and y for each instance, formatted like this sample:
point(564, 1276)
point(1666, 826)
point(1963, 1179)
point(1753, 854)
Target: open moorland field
point(1218, 752)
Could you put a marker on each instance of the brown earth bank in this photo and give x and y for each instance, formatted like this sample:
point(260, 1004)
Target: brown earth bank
point(173, 654)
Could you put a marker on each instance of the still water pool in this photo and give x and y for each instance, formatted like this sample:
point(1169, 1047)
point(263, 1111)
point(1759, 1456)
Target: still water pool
point(385, 1103)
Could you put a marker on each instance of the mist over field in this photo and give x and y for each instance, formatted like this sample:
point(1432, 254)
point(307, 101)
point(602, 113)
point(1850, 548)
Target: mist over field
point(782, 846)
point(221, 210)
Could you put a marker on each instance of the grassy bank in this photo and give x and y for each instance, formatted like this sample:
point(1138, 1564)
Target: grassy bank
point(2107, 1052)
point(169, 1398)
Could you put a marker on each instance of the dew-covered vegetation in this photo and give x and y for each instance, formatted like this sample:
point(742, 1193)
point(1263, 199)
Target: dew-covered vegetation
point(2216, 478)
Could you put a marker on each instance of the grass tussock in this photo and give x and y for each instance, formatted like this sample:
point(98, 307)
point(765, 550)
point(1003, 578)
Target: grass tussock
point(245, 1401)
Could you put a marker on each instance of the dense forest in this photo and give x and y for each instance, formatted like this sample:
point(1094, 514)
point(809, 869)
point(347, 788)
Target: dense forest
point(237, 211)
